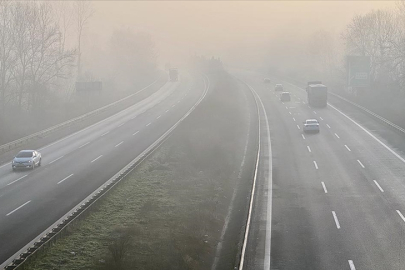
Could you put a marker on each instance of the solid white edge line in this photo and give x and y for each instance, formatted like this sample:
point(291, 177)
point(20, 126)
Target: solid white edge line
point(65, 178)
point(361, 164)
point(55, 160)
point(269, 195)
point(309, 148)
point(370, 134)
point(400, 214)
point(159, 140)
point(336, 219)
point(351, 264)
point(96, 158)
point(324, 187)
point(316, 165)
point(17, 180)
point(135, 133)
point(119, 144)
point(18, 208)
point(378, 185)
point(337, 136)
point(347, 147)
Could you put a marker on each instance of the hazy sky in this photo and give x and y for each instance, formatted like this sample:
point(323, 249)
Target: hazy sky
point(229, 29)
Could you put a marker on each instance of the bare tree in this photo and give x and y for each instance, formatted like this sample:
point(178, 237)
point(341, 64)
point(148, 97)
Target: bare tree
point(84, 11)
point(7, 59)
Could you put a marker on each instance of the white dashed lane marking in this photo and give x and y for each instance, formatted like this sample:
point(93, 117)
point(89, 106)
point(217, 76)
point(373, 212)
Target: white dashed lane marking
point(65, 178)
point(21, 206)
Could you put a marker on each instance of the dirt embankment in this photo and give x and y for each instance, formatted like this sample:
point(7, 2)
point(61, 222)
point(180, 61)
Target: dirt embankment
point(169, 212)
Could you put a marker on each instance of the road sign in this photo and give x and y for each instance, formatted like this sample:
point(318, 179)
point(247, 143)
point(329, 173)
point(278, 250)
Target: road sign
point(358, 71)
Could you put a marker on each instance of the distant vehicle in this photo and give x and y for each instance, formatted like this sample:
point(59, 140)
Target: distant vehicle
point(266, 80)
point(173, 74)
point(311, 125)
point(278, 87)
point(26, 159)
point(285, 96)
point(317, 94)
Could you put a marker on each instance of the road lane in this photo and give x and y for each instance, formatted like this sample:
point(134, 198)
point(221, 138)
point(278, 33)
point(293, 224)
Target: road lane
point(55, 188)
point(303, 237)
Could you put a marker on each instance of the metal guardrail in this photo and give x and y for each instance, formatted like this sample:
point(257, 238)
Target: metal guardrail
point(59, 228)
point(370, 112)
point(8, 146)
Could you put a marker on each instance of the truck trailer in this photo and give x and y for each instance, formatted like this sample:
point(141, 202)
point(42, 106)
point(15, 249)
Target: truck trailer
point(317, 94)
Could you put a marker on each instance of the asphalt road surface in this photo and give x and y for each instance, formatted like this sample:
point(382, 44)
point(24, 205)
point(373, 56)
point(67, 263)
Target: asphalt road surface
point(338, 197)
point(78, 164)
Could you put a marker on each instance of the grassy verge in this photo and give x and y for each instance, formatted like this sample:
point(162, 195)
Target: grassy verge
point(168, 214)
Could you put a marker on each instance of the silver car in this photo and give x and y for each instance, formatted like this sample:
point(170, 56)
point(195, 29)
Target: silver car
point(311, 125)
point(26, 159)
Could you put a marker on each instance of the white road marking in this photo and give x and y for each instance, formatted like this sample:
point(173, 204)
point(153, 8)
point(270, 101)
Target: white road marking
point(351, 264)
point(369, 133)
point(148, 124)
point(119, 144)
point(55, 160)
point(17, 180)
point(327, 125)
point(289, 112)
point(21, 206)
point(294, 119)
point(309, 149)
point(83, 145)
point(298, 127)
point(121, 124)
point(158, 117)
point(400, 214)
point(379, 187)
point(286, 107)
point(324, 187)
point(347, 147)
point(65, 178)
point(135, 133)
point(336, 219)
point(303, 136)
point(96, 158)
point(337, 136)
point(173, 105)
point(320, 118)
point(316, 165)
point(166, 111)
point(361, 164)
point(104, 134)
point(314, 112)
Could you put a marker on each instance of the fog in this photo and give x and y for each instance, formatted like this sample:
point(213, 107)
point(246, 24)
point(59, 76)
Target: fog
point(240, 32)
point(126, 44)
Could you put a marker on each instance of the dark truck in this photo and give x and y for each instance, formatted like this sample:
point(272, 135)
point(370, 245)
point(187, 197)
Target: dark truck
point(173, 74)
point(317, 94)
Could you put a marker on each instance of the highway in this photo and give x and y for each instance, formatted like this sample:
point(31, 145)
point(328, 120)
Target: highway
point(76, 165)
point(334, 200)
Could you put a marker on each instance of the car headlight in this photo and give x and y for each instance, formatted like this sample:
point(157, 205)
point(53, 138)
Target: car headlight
point(29, 161)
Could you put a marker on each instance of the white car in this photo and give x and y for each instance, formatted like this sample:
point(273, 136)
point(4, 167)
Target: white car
point(26, 159)
point(311, 125)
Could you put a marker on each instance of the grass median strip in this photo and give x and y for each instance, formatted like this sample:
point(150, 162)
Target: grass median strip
point(169, 212)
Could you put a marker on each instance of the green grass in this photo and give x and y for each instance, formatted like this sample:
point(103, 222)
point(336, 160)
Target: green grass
point(169, 212)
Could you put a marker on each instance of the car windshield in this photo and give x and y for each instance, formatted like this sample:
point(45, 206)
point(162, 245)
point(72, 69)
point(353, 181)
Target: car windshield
point(24, 154)
point(312, 122)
